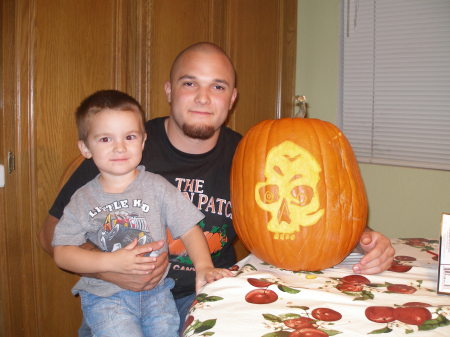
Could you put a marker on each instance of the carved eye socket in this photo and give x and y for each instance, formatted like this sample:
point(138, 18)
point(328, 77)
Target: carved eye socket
point(303, 194)
point(269, 194)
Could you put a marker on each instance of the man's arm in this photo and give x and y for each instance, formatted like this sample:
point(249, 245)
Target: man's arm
point(379, 253)
point(139, 282)
point(46, 234)
point(129, 260)
point(126, 281)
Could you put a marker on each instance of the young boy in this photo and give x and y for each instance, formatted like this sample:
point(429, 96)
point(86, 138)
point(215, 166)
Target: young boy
point(121, 209)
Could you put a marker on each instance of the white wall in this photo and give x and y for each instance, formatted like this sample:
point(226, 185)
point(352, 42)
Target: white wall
point(403, 202)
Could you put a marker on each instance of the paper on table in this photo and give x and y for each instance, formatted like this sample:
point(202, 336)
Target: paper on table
point(350, 260)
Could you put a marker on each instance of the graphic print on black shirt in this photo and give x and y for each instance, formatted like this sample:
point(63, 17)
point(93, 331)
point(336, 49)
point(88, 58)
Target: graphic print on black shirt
point(216, 239)
point(211, 196)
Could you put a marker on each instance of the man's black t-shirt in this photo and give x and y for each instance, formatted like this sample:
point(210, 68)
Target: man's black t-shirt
point(203, 178)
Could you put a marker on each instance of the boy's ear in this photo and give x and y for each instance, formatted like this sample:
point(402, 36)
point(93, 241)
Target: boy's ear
point(84, 149)
point(144, 139)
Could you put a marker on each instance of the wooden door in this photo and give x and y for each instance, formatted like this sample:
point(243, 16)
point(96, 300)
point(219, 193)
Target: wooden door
point(260, 37)
point(262, 43)
point(53, 54)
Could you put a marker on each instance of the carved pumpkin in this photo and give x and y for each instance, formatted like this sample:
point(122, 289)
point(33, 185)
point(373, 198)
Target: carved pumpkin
point(298, 198)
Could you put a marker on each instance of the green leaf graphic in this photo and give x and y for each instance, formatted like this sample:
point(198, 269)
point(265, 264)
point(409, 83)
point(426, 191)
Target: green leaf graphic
point(206, 325)
point(288, 290)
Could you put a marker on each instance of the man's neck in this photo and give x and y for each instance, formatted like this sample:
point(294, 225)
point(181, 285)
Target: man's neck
point(187, 144)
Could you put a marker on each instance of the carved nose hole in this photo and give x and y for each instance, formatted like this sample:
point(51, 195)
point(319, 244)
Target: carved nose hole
point(283, 213)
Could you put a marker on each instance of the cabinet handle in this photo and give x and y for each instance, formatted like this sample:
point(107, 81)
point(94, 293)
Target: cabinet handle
point(11, 162)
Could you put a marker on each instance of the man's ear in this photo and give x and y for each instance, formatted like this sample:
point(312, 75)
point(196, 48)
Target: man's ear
point(233, 98)
point(84, 149)
point(168, 90)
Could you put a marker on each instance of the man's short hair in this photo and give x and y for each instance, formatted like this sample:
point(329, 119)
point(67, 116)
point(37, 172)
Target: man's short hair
point(198, 47)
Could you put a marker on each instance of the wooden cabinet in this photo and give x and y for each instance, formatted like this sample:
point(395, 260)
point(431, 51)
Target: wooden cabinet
point(53, 54)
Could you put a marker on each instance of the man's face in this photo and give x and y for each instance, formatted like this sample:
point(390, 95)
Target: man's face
point(201, 92)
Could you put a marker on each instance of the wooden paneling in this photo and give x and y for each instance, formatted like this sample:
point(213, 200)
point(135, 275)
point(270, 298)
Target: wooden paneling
point(287, 56)
point(53, 54)
point(17, 289)
point(175, 25)
point(5, 42)
point(74, 47)
point(262, 43)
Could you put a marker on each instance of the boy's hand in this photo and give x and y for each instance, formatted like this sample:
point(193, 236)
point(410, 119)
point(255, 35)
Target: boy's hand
point(208, 275)
point(131, 259)
point(135, 282)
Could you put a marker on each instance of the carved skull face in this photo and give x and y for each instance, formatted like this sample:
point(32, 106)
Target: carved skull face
point(289, 193)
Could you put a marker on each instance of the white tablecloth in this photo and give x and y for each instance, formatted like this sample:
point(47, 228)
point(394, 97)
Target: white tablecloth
point(265, 301)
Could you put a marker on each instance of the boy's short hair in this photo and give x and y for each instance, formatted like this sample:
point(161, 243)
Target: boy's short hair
point(101, 100)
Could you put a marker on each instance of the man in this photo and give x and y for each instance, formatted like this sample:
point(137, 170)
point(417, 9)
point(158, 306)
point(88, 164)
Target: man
point(193, 150)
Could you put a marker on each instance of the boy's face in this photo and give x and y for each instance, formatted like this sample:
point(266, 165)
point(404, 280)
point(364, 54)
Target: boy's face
point(115, 141)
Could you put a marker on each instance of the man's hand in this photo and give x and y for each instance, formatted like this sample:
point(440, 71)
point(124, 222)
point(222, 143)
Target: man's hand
point(379, 253)
point(125, 281)
point(139, 282)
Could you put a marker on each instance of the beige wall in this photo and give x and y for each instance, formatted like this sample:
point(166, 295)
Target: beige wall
point(403, 202)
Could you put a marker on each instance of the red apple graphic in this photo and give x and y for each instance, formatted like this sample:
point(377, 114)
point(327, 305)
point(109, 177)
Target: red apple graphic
point(355, 279)
point(308, 332)
point(299, 323)
point(416, 304)
point(380, 314)
point(188, 322)
point(398, 267)
point(326, 314)
point(412, 315)
point(401, 289)
point(261, 296)
point(259, 283)
point(350, 287)
point(404, 258)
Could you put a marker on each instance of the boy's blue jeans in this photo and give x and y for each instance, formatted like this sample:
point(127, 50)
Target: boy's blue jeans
point(150, 313)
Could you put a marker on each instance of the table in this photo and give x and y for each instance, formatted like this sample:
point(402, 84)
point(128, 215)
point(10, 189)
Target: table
point(264, 301)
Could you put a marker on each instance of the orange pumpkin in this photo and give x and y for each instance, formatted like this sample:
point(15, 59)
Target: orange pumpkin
point(298, 198)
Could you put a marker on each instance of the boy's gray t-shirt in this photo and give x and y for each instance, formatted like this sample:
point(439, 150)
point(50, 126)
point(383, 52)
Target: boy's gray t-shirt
point(148, 206)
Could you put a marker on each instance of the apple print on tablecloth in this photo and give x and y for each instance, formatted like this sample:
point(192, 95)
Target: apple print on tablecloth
point(317, 323)
point(402, 264)
point(262, 295)
point(409, 317)
point(194, 326)
point(426, 245)
point(202, 300)
point(362, 289)
point(246, 268)
point(357, 286)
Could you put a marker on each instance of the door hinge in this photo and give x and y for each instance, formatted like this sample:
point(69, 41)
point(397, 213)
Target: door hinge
point(11, 162)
